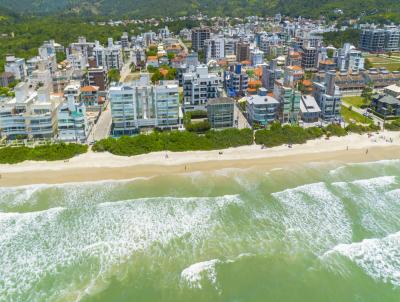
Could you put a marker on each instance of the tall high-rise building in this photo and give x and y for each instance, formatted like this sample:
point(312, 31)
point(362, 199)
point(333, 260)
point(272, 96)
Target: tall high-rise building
point(380, 39)
point(143, 105)
point(215, 48)
point(199, 36)
point(199, 87)
point(242, 51)
point(328, 97)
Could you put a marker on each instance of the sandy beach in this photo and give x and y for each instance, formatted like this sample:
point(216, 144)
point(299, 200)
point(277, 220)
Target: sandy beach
point(105, 166)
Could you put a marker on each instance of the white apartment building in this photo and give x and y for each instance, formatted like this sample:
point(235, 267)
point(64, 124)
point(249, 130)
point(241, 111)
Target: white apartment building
point(215, 48)
point(198, 87)
point(77, 61)
point(42, 77)
point(113, 56)
point(72, 121)
point(256, 57)
point(30, 114)
point(109, 57)
point(349, 58)
point(142, 105)
point(16, 66)
point(328, 97)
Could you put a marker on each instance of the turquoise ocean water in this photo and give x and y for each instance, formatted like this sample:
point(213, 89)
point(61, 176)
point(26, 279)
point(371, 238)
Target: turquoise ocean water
point(317, 232)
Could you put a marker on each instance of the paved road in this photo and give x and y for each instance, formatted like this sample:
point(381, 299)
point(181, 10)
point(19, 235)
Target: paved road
point(377, 120)
point(125, 71)
point(103, 127)
point(183, 45)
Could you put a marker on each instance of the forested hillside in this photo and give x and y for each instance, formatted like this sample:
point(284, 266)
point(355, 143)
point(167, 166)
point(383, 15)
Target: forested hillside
point(382, 10)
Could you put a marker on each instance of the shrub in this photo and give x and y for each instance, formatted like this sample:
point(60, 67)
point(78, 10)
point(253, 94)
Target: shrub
point(393, 126)
point(335, 130)
point(278, 135)
point(51, 152)
point(175, 141)
point(357, 128)
point(199, 127)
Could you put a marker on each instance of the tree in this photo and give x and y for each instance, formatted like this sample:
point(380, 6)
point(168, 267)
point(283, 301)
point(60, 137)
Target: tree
point(368, 64)
point(366, 94)
point(114, 75)
point(60, 56)
point(171, 55)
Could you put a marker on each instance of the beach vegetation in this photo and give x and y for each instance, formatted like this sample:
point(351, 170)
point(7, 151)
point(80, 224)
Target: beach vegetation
point(278, 135)
point(49, 152)
point(201, 126)
point(175, 141)
point(357, 128)
point(334, 130)
point(393, 126)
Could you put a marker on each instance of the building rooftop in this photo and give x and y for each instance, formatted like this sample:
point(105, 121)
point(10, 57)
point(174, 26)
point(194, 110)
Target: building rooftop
point(389, 100)
point(89, 88)
point(261, 100)
point(222, 100)
point(393, 88)
point(309, 104)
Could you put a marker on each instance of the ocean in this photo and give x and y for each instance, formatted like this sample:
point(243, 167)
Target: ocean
point(316, 232)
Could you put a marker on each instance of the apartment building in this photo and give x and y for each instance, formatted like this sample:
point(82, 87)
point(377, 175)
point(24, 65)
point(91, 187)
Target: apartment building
point(328, 97)
point(309, 58)
point(289, 100)
point(221, 113)
point(215, 48)
point(271, 72)
point(348, 58)
point(262, 109)
point(292, 75)
point(309, 109)
point(199, 87)
point(125, 40)
point(109, 57)
point(236, 81)
point(16, 66)
point(6, 78)
point(30, 114)
point(143, 105)
point(199, 36)
point(380, 39)
point(256, 57)
point(98, 77)
point(242, 51)
point(73, 124)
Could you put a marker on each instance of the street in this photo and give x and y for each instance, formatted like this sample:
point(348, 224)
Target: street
point(102, 128)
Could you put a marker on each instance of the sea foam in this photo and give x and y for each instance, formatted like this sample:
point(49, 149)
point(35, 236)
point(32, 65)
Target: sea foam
point(60, 243)
point(314, 217)
point(379, 258)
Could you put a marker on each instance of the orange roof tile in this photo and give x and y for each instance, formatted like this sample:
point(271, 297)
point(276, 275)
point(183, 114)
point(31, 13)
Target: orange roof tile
point(163, 71)
point(295, 67)
point(258, 72)
point(254, 82)
point(89, 88)
point(327, 62)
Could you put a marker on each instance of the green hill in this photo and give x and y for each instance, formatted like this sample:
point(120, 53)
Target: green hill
point(376, 9)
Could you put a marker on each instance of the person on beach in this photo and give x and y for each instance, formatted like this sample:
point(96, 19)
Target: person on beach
point(366, 152)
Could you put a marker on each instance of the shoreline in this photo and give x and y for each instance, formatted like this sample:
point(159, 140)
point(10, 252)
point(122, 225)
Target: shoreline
point(93, 166)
